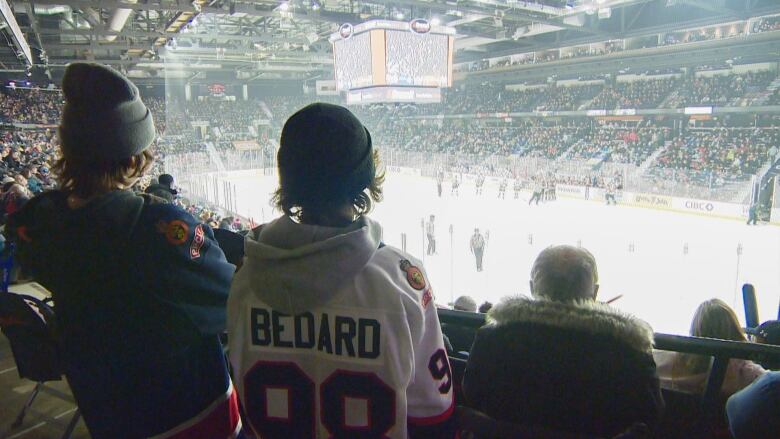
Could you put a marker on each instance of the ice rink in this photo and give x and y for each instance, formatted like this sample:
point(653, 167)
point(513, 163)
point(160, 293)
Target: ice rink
point(663, 263)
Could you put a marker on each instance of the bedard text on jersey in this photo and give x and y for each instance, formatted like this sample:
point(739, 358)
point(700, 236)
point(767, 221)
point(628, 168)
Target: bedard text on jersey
point(330, 333)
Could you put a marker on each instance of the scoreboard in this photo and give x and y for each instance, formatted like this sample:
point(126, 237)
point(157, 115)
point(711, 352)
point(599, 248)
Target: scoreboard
point(393, 61)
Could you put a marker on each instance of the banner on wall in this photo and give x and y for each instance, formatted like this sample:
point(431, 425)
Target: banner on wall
point(649, 200)
point(570, 191)
point(713, 208)
point(246, 145)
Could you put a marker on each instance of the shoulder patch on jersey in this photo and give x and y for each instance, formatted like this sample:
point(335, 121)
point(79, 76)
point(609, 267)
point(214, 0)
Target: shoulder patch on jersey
point(427, 296)
point(197, 242)
point(413, 275)
point(176, 231)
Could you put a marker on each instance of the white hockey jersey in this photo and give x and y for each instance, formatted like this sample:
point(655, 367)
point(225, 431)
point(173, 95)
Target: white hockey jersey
point(333, 334)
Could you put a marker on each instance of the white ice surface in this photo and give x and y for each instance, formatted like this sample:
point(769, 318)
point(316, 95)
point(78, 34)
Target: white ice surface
point(659, 283)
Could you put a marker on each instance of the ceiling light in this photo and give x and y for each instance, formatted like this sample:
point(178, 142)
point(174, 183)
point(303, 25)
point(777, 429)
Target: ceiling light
point(435, 21)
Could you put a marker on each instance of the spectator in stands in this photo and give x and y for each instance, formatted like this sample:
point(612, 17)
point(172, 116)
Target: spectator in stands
point(768, 332)
point(465, 303)
point(752, 412)
point(34, 185)
point(226, 223)
point(485, 307)
point(688, 372)
point(564, 361)
point(14, 195)
point(323, 263)
point(163, 188)
point(139, 287)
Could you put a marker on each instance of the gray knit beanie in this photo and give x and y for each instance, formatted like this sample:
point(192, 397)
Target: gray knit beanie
point(103, 118)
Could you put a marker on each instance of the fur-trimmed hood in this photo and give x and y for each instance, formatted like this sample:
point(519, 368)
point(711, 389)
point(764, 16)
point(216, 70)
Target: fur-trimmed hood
point(583, 316)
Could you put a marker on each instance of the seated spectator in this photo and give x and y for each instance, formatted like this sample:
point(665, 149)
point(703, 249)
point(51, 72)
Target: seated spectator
point(564, 361)
point(139, 287)
point(163, 188)
point(323, 311)
point(226, 223)
point(768, 333)
point(485, 307)
point(465, 303)
point(688, 372)
point(34, 185)
point(752, 412)
point(461, 337)
point(14, 195)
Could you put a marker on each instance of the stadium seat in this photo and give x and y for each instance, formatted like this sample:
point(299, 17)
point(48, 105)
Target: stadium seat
point(473, 424)
point(751, 307)
point(685, 418)
point(28, 324)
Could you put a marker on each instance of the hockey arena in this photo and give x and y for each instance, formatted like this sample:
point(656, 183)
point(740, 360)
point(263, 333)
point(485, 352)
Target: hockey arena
point(702, 256)
point(423, 219)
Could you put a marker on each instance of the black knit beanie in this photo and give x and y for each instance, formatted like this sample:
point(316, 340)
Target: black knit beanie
point(103, 118)
point(325, 155)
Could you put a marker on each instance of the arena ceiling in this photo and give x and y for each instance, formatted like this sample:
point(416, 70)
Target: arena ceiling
point(273, 39)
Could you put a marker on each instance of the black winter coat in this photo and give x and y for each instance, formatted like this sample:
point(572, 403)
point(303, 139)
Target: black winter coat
point(582, 368)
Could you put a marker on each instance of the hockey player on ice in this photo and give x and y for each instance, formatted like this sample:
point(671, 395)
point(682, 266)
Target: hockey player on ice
point(537, 192)
point(502, 189)
point(609, 195)
point(480, 183)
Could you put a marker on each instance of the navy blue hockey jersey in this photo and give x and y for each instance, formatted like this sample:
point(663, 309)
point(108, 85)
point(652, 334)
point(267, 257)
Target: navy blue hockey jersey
point(139, 289)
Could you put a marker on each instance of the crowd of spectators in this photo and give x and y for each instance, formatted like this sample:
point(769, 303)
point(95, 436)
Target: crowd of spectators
point(706, 153)
point(620, 145)
point(700, 152)
point(643, 93)
point(227, 116)
point(767, 24)
point(720, 89)
point(39, 106)
point(720, 152)
point(637, 94)
point(764, 24)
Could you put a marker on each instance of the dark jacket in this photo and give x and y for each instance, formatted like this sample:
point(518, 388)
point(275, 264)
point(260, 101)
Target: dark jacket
point(162, 191)
point(140, 289)
point(583, 368)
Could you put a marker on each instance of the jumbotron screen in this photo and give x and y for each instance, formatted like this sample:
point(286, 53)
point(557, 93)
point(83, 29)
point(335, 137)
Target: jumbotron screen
point(381, 60)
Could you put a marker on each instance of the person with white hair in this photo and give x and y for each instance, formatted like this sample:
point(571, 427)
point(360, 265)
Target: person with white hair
point(465, 303)
point(562, 360)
